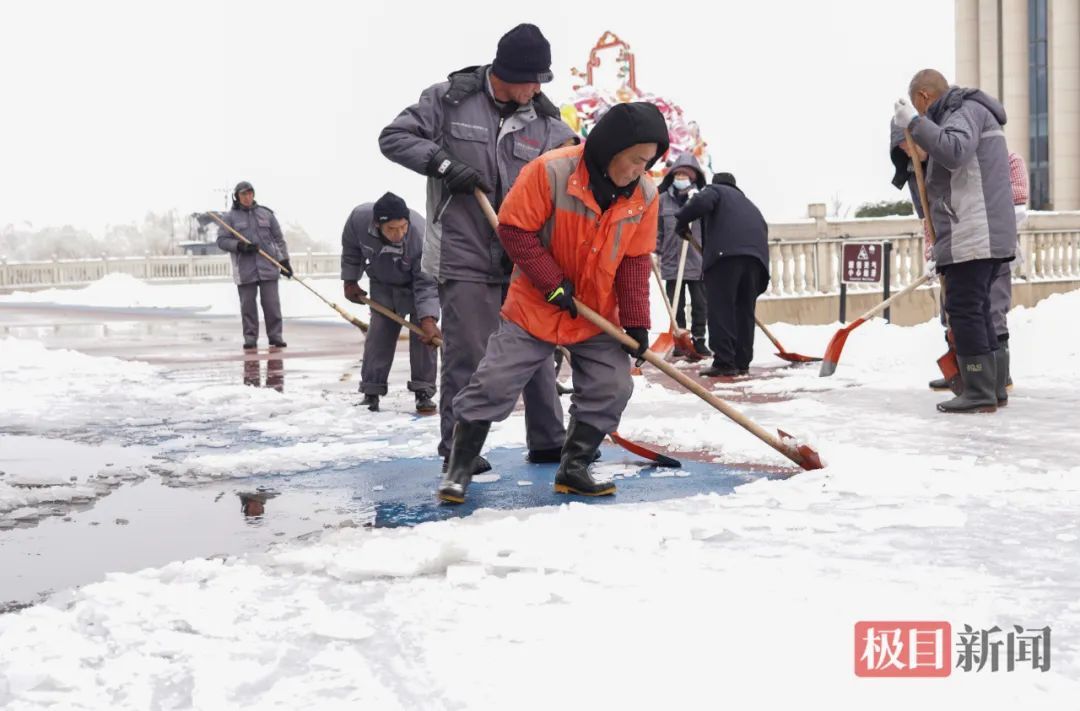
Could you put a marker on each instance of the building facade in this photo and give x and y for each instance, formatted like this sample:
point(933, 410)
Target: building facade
point(1027, 53)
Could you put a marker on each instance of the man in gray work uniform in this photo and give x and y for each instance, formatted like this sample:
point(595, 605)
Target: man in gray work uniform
point(478, 130)
point(256, 276)
point(386, 240)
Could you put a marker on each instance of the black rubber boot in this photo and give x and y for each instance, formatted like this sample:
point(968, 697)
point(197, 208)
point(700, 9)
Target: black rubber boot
point(371, 402)
point(1003, 380)
point(701, 348)
point(549, 456)
point(573, 477)
point(468, 441)
point(721, 370)
point(425, 405)
point(480, 465)
point(979, 374)
point(956, 385)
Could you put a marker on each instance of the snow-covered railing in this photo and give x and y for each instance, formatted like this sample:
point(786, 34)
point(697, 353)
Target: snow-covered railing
point(807, 267)
point(804, 256)
point(180, 268)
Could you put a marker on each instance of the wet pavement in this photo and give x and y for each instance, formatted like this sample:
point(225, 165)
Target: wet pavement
point(149, 522)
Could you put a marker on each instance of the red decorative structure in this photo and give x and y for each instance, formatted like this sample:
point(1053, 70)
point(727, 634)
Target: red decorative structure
point(625, 57)
point(591, 101)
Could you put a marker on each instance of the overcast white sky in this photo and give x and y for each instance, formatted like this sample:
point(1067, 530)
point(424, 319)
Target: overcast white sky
point(111, 109)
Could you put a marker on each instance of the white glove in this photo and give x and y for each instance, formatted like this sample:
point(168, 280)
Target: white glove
point(905, 112)
point(931, 268)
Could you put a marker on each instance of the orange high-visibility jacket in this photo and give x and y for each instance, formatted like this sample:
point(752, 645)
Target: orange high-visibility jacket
point(551, 196)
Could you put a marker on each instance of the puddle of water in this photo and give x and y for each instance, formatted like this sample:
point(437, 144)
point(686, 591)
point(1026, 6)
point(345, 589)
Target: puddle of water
point(148, 524)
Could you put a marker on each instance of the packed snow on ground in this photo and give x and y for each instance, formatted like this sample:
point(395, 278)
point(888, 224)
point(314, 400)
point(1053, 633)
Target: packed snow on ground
point(748, 599)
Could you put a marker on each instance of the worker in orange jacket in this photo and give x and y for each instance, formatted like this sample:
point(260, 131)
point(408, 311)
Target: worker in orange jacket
point(579, 222)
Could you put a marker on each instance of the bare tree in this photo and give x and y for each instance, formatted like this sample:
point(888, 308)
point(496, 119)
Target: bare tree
point(837, 208)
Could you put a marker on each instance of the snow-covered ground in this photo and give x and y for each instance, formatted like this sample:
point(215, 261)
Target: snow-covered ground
point(745, 600)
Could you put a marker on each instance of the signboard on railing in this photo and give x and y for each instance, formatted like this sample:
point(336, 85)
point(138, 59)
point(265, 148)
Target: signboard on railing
point(861, 262)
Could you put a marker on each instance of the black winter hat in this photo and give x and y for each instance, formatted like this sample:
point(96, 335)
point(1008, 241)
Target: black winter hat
point(523, 56)
point(900, 160)
point(390, 207)
point(625, 125)
point(242, 186)
point(724, 179)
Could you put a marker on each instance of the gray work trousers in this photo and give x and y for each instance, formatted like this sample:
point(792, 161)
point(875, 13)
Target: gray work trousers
point(267, 292)
point(470, 315)
point(381, 344)
point(601, 372)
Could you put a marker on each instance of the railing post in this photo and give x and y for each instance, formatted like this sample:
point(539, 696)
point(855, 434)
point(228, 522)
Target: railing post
point(191, 267)
point(3, 271)
point(56, 269)
point(146, 265)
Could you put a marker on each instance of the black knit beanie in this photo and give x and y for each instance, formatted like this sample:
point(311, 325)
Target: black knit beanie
point(390, 207)
point(523, 56)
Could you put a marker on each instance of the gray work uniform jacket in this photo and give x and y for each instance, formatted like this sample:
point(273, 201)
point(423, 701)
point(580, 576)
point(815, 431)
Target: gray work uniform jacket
point(258, 225)
point(396, 266)
point(461, 117)
point(967, 182)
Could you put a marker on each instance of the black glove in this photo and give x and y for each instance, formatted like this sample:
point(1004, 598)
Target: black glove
point(683, 230)
point(507, 264)
point(563, 297)
point(459, 177)
point(641, 335)
point(353, 292)
point(247, 248)
point(286, 268)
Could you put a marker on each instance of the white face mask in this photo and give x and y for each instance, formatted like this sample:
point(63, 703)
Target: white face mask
point(681, 183)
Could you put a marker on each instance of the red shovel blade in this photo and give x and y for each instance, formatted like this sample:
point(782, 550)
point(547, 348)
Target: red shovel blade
point(832, 351)
point(686, 343)
point(797, 358)
point(809, 459)
point(661, 459)
point(663, 344)
point(950, 367)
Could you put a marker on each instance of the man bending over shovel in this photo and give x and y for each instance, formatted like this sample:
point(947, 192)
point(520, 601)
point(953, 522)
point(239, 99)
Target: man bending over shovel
point(578, 222)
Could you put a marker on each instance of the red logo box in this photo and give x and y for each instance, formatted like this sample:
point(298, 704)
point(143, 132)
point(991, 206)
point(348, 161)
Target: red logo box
point(894, 648)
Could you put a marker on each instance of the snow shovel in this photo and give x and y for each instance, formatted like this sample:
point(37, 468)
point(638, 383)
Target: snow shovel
point(836, 344)
point(802, 454)
point(665, 342)
point(343, 313)
point(681, 336)
point(949, 366)
point(789, 357)
point(393, 316)
point(785, 355)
